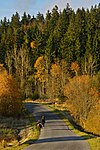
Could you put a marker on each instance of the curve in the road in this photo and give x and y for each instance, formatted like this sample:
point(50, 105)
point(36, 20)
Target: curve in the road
point(55, 135)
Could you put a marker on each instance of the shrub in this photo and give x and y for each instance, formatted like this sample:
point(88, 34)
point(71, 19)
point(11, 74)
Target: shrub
point(83, 96)
point(93, 120)
point(10, 96)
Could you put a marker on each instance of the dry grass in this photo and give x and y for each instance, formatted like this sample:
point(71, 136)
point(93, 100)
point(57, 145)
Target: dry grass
point(15, 133)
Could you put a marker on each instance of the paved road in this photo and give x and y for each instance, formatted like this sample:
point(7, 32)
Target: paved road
point(55, 135)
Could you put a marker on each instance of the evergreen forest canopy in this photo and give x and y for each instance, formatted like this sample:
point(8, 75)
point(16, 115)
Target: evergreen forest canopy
point(37, 50)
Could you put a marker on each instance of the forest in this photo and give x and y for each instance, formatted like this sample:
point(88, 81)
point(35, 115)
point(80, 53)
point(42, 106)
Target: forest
point(55, 57)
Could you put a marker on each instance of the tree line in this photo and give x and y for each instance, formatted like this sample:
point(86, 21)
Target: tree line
point(67, 36)
point(56, 56)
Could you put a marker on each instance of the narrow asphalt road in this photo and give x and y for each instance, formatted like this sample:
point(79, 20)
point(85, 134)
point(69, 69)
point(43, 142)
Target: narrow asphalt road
point(55, 135)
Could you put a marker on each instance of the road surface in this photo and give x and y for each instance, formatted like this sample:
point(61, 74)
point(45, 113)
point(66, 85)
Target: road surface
point(55, 135)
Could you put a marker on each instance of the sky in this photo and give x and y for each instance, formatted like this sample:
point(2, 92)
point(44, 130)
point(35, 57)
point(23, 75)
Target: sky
point(33, 7)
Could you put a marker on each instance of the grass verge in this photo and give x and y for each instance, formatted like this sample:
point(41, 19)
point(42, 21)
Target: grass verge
point(15, 134)
point(94, 141)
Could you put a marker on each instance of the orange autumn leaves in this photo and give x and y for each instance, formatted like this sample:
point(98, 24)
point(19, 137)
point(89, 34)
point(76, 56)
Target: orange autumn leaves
point(10, 103)
point(32, 44)
point(84, 99)
point(56, 70)
point(75, 67)
point(40, 67)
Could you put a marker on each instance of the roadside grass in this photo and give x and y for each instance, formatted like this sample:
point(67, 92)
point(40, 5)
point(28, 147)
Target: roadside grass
point(94, 141)
point(15, 134)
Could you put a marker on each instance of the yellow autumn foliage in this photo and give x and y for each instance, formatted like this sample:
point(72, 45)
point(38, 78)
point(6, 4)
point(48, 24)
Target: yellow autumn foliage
point(56, 80)
point(55, 70)
point(75, 67)
point(32, 44)
point(10, 96)
point(83, 97)
point(93, 121)
point(40, 67)
point(39, 62)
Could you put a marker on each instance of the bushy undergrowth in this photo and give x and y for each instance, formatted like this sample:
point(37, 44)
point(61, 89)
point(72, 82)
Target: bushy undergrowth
point(83, 100)
point(93, 121)
point(10, 95)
